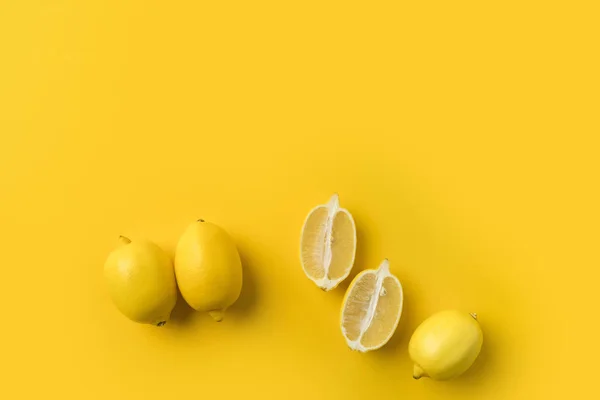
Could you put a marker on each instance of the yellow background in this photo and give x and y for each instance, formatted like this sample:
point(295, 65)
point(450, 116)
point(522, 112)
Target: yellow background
point(463, 137)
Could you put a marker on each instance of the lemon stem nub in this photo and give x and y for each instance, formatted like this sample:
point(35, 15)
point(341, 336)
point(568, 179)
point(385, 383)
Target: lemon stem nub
point(418, 372)
point(474, 315)
point(124, 240)
point(161, 323)
point(217, 315)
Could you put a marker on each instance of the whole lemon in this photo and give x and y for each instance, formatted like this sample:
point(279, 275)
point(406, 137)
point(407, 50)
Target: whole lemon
point(445, 345)
point(208, 268)
point(141, 281)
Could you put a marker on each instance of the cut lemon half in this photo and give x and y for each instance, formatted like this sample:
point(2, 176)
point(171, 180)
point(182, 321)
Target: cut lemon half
point(371, 309)
point(328, 244)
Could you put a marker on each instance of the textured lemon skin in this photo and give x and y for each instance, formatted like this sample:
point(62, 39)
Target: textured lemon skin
point(208, 268)
point(141, 282)
point(445, 345)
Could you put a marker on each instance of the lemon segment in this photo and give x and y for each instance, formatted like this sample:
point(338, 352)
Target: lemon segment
point(371, 309)
point(328, 244)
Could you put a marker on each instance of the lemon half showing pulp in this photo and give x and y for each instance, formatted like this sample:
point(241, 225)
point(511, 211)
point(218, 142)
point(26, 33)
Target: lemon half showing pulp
point(328, 244)
point(371, 309)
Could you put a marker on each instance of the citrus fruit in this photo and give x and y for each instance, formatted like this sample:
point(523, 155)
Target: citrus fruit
point(445, 345)
point(328, 244)
point(371, 308)
point(208, 268)
point(141, 282)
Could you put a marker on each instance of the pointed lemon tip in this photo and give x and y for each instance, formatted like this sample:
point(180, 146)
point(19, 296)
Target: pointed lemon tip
point(385, 265)
point(217, 315)
point(418, 372)
point(334, 202)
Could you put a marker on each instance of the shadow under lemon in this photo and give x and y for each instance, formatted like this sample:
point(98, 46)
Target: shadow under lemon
point(249, 296)
point(182, 314)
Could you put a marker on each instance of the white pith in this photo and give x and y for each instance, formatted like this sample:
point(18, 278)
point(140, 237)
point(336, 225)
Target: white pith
point(381, 273)
point(333, 208)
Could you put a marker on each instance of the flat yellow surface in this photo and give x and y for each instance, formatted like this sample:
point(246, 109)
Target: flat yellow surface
point(463, 137)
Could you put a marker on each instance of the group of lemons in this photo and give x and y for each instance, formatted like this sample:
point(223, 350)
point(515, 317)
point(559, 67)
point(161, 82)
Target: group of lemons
point(143, 284)
point(143, 281)
point(443, 347)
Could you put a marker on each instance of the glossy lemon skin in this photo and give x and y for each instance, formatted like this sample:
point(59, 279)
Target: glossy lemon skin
point(208, 268)
point(141, 282)
point(445, 345)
